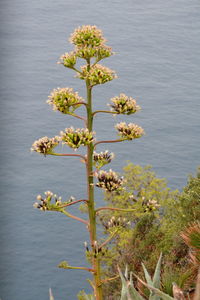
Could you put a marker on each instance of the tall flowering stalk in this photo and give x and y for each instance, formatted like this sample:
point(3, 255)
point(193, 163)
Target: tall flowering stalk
point(90, 46)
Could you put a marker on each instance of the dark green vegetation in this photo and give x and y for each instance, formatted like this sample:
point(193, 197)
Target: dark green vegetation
point(160, 218)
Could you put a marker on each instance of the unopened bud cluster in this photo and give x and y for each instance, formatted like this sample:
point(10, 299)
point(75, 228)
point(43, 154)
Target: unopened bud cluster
point(124, 105)
point(68, 59)
point(45, 145)
point(98, 74)
point(45, 202)
point(109, 181)
point(115, 222)
point(75, 138)
point(102, 158)
point(129, 131)
point(96, 250)
point(150, 205)
point(64, 100)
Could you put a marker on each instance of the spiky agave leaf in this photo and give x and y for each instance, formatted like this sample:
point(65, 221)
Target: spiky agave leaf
point(128, 291)
point(162, 295)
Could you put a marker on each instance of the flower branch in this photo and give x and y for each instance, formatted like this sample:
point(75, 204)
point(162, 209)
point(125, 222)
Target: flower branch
point(114, 209)
point(74, 202)
point(74, 217)
point(65, 265)
point(68, 154)
point(109, 239)
point(105, 111)
point(109, 141)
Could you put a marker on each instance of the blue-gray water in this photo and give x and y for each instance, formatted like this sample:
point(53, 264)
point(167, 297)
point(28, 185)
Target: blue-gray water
point(157, 60)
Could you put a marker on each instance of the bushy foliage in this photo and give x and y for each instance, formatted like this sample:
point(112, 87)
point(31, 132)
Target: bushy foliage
point(154, 228)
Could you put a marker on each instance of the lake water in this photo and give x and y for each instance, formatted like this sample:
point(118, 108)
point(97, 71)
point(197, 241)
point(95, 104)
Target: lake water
point(158, 63)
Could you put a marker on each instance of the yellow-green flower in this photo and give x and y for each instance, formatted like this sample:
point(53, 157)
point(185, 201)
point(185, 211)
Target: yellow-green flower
point(98, 74)
point(64, 100)
point(124, 105)
point(129, 131)
point(76, 138)
point(97, 52)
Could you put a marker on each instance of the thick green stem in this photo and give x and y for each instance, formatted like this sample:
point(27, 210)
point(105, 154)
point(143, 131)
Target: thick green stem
point(91, 206)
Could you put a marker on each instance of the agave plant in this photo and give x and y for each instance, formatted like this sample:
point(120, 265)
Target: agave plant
point(129, 292)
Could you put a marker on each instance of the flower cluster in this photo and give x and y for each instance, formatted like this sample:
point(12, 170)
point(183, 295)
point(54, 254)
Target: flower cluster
point(68, 59)
point(109, 181)
point(45, 145)
point(46, 204)
point(87, 36)
point(75, 138)
point(150, 205)
point(114, 222)
point(64, 100)
point(130, 131)
point(98, 74)
point(102, 158)
point(98, 52)
point(124, 105)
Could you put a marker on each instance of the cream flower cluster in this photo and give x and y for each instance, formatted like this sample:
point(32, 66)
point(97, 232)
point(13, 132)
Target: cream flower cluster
point(75, 138)
point(124, 105)
point(87, 36)
point(129, 131)
point(98, 74)
point(102, 158)
point(45, 145)
point(109, 181)
point(64, 100)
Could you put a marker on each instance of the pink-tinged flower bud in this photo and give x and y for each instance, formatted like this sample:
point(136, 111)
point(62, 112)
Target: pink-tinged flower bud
point(109, 181)
point(45, 145)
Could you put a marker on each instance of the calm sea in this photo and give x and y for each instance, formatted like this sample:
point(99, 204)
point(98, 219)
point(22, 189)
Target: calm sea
point(157, 60)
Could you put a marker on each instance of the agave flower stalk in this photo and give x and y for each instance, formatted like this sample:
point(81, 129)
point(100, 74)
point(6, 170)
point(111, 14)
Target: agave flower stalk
point(90, 46)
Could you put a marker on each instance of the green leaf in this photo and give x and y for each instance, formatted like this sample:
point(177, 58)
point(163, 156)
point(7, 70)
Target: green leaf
point(156, 277)
point(132, 293)
point(147, 276)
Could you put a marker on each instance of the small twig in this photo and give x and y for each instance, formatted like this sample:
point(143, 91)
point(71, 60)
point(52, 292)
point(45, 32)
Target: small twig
point(109, 141)
point(68, 154)
point(114, 208)
point(77, 103)
point(105, 111)
point(74, 217)
point(73, 68)
point(110, 279)
point(78, 117)
point(72, 203)
point(78, 268)
point(109, 239)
